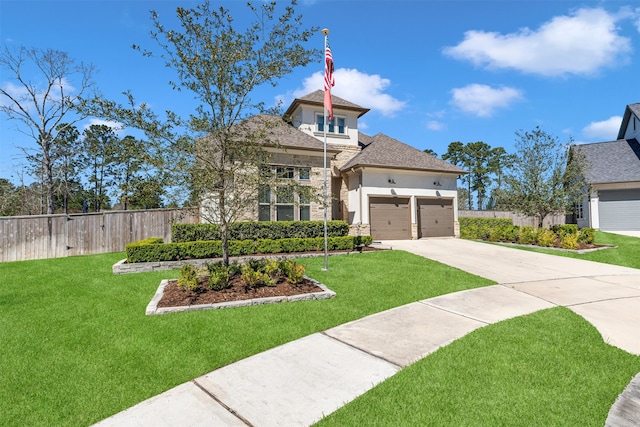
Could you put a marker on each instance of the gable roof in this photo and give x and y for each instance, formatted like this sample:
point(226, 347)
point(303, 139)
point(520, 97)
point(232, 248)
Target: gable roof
point(610, 162)
point(385, 152)
point(317, 98)
point(284, 135)
point(628, 111)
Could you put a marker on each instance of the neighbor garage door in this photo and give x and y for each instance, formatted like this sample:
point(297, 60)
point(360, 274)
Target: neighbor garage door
point(389, 218)
point(619, 209)
point(435, 217)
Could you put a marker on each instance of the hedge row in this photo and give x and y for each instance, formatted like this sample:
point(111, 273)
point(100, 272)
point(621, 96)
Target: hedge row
point(566, 236)
point(259, 230)
point(154, 251)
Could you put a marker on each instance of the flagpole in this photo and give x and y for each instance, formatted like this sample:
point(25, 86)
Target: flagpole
point(325, 31)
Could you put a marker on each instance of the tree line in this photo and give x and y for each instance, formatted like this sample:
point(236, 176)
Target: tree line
point(542, 177)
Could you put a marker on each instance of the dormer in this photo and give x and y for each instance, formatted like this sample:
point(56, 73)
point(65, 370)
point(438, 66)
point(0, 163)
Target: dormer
point(307, 115)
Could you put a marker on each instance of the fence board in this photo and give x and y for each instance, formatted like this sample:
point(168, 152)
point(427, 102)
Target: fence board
point(518, 219)
point(55, 236)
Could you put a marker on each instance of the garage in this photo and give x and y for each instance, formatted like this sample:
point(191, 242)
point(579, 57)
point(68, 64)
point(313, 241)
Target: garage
point(435, 218)
point(619, 209)
point(389, 218)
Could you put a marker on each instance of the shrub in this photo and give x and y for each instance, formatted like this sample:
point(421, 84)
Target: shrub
point(218, 276)
point(251, 277)
point(546, 237)
point(569, 241)
point(254, 230)
point(188, 277)
point(564, 229)
point(480, 228)
point(526, 235)
point(586, 235)
point(293, 271)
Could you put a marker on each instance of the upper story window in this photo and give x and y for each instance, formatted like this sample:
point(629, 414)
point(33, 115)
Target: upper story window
point(337, 125)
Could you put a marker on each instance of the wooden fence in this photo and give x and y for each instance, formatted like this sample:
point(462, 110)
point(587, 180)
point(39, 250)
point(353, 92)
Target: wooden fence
point(60, 235)
point(517, 218)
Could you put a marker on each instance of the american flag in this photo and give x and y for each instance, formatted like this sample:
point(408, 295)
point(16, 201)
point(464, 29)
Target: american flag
point(329, 81)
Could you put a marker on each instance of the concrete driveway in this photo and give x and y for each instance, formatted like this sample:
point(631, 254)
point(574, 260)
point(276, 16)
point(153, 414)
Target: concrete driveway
point(607, 296)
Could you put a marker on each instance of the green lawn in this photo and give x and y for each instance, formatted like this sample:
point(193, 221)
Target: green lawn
point(626, 254)
point(550, 368)
point(77, 347)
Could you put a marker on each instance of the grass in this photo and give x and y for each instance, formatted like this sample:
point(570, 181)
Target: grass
point(76, 346)
point(627, 253)
point(549, 368)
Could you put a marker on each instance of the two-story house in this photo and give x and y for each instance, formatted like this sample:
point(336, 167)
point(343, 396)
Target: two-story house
point(379, 185)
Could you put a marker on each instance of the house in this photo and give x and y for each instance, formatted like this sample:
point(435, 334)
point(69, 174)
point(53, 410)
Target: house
point(613, 174)
point(379, 185)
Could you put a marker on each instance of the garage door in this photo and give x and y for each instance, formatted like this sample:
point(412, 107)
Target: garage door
point(619, 209)
point(389, 218)
point(435, 217)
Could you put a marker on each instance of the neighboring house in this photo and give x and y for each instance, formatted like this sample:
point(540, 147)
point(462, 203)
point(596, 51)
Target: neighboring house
point(613, 175)
point(380, 186)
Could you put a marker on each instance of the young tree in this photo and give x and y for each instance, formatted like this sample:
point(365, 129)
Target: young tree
point(544, 179)
point(217, 148)
point(40, 109)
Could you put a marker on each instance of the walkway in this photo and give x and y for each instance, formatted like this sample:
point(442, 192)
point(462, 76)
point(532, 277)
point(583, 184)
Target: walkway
point(315, 375)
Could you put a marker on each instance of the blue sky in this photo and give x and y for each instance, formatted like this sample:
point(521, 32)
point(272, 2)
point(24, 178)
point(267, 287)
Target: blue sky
point(431, 72)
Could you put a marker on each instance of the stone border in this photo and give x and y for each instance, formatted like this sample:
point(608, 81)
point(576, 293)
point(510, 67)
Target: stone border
point(153, 309)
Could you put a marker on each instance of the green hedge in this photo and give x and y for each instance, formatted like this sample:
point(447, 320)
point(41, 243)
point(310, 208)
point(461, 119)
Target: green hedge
point(503, 230)
point(259, 230)
point(143, 251)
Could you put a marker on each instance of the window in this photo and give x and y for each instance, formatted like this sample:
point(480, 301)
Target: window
point(579, 211)
point(283, 203)
point(264, 204)
point(337, 125)
point(304, 174)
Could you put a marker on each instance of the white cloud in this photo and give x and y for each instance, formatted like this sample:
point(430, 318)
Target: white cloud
point(116, 126)
point(366, 90)
point(604, 130)
point(482, 100)
point(580, 43)
point(436, 125)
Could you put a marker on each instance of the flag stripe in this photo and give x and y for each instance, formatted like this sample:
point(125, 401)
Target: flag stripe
point(329, 81)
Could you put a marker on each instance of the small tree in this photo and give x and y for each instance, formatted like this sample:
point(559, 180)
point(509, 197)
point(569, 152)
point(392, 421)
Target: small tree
point(40, 109)
point(217, 150)
point(545, 177)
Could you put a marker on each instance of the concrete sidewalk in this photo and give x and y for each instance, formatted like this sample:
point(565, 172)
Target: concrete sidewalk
point(313, 376)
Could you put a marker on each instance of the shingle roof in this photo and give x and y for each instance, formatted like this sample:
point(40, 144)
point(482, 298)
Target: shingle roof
point(614, 161)
point(628, 111)
point(386, 152)
point(284, 134)
point(317, 98)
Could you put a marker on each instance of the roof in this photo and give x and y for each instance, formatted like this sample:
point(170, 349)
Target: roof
point(317, 98)
point(628, 111)
point(612, 162)
point(283, 134)
point(385, 152)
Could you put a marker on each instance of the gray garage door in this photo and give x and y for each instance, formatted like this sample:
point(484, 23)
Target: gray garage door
point(389, 218)
point(435, 217)
point(619, 209)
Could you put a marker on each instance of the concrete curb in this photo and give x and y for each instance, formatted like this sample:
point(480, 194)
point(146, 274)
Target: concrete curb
point(153, 309)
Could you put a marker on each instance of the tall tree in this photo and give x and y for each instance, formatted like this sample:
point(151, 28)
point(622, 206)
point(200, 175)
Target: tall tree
point(458, 154)
point(545, 178)
point(40, 108)
point(221, 66)
point(66, 155)
point(99, 159)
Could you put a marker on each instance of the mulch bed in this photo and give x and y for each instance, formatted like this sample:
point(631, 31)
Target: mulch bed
point(175, 296)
